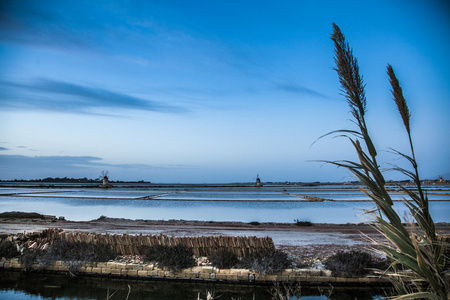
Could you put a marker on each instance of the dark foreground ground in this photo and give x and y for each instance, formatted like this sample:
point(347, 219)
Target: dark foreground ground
point(307, 244)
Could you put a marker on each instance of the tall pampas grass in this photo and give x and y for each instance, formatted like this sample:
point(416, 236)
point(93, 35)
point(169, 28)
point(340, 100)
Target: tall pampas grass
point(415, 245)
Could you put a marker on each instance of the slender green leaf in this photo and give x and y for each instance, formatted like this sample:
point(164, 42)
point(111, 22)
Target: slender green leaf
point(351, 132)
point(417, 246)
point(419, 295)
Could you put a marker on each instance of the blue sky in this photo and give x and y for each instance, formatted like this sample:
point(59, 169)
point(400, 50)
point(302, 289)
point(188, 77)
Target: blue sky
point(214, 91)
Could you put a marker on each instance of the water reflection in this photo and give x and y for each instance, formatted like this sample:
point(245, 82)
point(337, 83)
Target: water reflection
point(80, 209)
point(244, 204)
point(18, 285)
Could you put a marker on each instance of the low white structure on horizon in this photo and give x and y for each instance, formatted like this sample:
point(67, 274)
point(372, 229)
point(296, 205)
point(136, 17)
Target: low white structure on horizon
point(258, 182)
point(105, 183)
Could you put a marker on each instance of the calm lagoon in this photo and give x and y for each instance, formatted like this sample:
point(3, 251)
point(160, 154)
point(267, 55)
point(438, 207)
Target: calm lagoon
point(281, 203)
point(277, 203)
point(18, 285)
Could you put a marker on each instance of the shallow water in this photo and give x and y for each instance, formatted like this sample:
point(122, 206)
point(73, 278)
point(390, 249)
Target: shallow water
point(17, 285)
point(281, 203)
point(277, 203)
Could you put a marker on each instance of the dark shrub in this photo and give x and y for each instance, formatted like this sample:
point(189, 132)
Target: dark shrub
point(173, 258)
point(266, 261)
point(21, 215)
point(32, 256)
point(224, 259)
point(254, 223)
point(302, 223)
point(78, 251)
point(355, 262)
point(8, 249)
point(69, 252)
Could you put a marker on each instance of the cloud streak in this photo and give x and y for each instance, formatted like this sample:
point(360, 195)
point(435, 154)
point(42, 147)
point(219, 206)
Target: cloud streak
point(26, 22)
point(46, 161)
point(79, 25)
point(9, 163)
point(299, 89)
point(44, 94)
point(34, 167)
point(174, 47)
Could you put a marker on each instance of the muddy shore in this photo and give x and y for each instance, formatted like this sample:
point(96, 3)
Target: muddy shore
point(306, 244)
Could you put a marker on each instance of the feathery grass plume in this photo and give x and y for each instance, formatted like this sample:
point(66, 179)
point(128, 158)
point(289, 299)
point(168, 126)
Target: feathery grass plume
point(348, 70)
point(397, 93)
point(413, 246)
point(402, 107)
point(434, 247)
point(421, 200)
point(352, 83)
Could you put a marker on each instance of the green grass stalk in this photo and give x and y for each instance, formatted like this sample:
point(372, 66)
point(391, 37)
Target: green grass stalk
point(416, 247)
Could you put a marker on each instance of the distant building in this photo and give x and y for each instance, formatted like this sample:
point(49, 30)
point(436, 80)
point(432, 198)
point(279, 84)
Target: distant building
point(258, 182)
point(105, 183)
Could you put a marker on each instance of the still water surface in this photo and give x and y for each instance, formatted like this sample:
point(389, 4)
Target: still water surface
point(281, 203)
point(18, 286)
point(278, 203)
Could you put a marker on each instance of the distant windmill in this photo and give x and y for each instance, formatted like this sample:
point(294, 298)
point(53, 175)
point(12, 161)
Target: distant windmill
point(104, 177)
point(258, 181)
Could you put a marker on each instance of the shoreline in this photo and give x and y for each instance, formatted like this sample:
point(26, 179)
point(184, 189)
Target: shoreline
point(300, 198)
point(306, 244)
point(307, 247)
